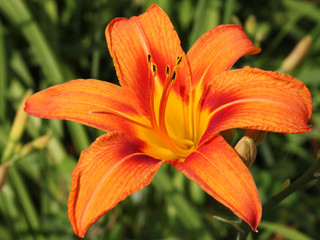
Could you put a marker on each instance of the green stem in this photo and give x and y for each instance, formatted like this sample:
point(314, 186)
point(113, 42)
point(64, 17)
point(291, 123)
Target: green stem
point(45, 200)
point(242, 235)
point(308, 176)
point(300, 182)
point(8, 151)
point(8, 217)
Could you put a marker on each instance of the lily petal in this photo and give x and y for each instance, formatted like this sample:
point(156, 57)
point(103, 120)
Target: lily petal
point(108, 171)
point(218, 170)
point(78, 100)
point(217, 50)
point(255, 99)
point(131, 40)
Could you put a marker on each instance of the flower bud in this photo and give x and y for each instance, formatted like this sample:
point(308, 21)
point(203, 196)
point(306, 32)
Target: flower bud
point(26, 149)
point(4, 173)
point(250, 25)
point(297, 54)
point(236, 20)
point(37, 144)
point(256, 135)
point(262, 32)
point(247, 150)
point(41, 142)
point(20, 119)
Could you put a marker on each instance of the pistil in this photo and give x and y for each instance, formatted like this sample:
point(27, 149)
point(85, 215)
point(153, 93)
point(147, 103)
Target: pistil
point(180, 147)
point(153, 68)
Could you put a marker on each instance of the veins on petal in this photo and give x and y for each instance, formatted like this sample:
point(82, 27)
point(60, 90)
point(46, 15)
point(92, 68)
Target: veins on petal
point(123, 117)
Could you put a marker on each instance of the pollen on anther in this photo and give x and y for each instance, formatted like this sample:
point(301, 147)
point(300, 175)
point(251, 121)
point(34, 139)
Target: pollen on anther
point(167, 71)
point(174, 76)
point(179, 60)
point(149, 59)
point(154, 69)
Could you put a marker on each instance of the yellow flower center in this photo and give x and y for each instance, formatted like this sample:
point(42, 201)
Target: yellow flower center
point(174, 132)
point(175, 125)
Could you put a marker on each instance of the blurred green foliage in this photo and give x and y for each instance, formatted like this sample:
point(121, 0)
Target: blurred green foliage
point(45, 42)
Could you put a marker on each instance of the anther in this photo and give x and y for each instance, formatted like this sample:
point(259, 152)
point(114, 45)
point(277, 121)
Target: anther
point(154, 69)
point(167, 71)
point(149, 59)
point(179, 60)
point(174, 76)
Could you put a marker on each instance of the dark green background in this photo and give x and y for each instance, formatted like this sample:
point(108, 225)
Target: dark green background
point(46, 42)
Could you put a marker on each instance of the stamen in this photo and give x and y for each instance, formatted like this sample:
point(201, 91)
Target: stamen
point(174, 71)
point(167, 71)
point(171, 144)
point(164, 98)
point(174, 76)
point(179, 60)
point(180, 147)
point(154, 69)
point(123, 117)
point(150, 100)
point(149, 59)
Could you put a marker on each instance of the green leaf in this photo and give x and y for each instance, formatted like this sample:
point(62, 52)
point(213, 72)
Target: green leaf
point(18, 13)
point(19, 66)
point(3, 73)
point(206, 16)
point(285, 231)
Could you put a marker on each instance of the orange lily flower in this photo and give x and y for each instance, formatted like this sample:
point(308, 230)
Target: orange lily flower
point(170, 108)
